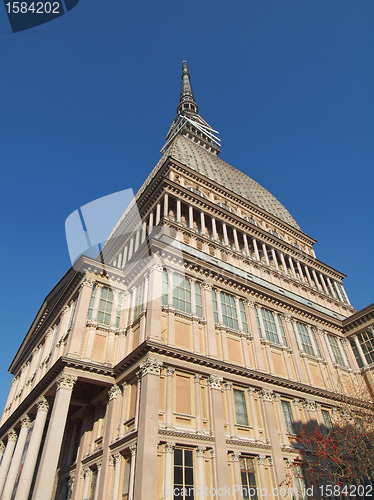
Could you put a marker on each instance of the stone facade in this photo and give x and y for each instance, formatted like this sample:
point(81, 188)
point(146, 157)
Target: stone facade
point(211, 334)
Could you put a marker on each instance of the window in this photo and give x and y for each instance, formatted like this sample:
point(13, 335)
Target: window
point(139, 300)
point(305, 339)
point(181, 293)
point(299, 480)
point(366, 340)
point(240, 407)
point(224, 206)
point(272, 324)
point(229, 315)
point(165, 288)
point(92, 302)
point(183, 474)
point(338, 351)
point(249, 219)
point(341, 290)
point(243, 317)
point(288, 417)
point(105, 306)
point(247, 472)
point(326, 419)
point(199, 300)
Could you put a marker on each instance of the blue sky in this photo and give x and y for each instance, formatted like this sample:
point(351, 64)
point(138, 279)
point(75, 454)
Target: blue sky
point(88, 98)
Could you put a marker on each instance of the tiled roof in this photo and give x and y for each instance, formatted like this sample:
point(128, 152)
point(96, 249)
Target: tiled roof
point(195, 157)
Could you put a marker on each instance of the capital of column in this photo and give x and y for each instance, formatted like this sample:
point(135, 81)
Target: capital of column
point(99, 464)
point(249, 302)
point(214, 382)
point(276, 397)
point(85, 472)
point(170, 371)
point(197, 378)
point(212, 453)
point(235, 455)
point(228, 386)
point(270, 460)
point(296, 401)
point(200, 451)
point(309, 405)
point(66, 381)
point(207, 285)
point(42, 404)
point(150, 365)
point(113, 392)
point(64, 310)
point(155, 264)
point(287, 317)
point(169, 447)
point(266, 394)
point(251, 391)
point(25, 421)
point(318, 406)
point(126, 295)
point(2, 446)
point(12, 435)
point(261, 459)
point(132, 449)
point(89, 282)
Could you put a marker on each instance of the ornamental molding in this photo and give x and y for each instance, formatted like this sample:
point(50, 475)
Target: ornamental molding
point(42, 404)
point(113, 392)
point(66, 381)
point(25, 421)
point(12, 435)
point(309, 405)
point(169, 447)
point(175, 433)
point(266, 394)
point(214, 382)
point(150, 365)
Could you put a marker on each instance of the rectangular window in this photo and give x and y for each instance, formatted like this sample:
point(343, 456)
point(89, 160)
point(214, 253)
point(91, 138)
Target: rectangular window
point(336, 348)
point(240, 407)
point(229, 315)
point(270, 326)
point(199, 300)
point(105, 306)
point(299, 481)
point(139, 300)
point(243, 316)
point(326, 419)
point(92, 302)
point(288, 417)
point(247, 472)
point(306, 341)
point(183, 474)
point(181, 293)
point(215, 306)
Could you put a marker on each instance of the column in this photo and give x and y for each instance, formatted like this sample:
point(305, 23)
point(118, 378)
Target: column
point(310, 407)
point(236, 239)
point(166, 204)
point(179, 210)
point(85, 474)
point(2, 449)
point(200, 465)
point(16, 460)
point(228, 387)
point(252, 406)
point(8, 453)
point(257, 255)
point(214, 227)
point(246, 245)
point(360, 351)
point(146, 458)
point(144, 231)
point(137, 239)
point(51, 451)
point(190, 216)
point(283, 263)
point(308, 275)
point(265, 252)
point(261, 470)
point(150, 223)
point(158, 213)
point(316, 280)
point(202, 222)
point(33, 450)
point(300, 271)
point(131, 248)
point(334, 294)
point(169, 396)
point(292, 267)
point(169, 450)
point(132, 471)
point(116, 458)
point(274, 256)
point(124, 258)
point(216, 415)
point(324, 284)
point(197, 379)
point(225, 237)
point(124, 409)
point(96, 497)
point(235, 455)
point(272, 433)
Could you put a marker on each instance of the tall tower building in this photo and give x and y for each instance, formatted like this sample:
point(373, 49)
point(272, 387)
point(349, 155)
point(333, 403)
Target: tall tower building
point(181, 363)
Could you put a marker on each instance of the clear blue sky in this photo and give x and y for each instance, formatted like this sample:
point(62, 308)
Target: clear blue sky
point(88, 98)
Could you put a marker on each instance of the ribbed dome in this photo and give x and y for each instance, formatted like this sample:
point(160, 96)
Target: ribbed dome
point(207, 164)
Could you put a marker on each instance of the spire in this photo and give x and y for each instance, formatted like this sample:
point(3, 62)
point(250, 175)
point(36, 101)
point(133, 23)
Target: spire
point(187, 100)
point(189, 123)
